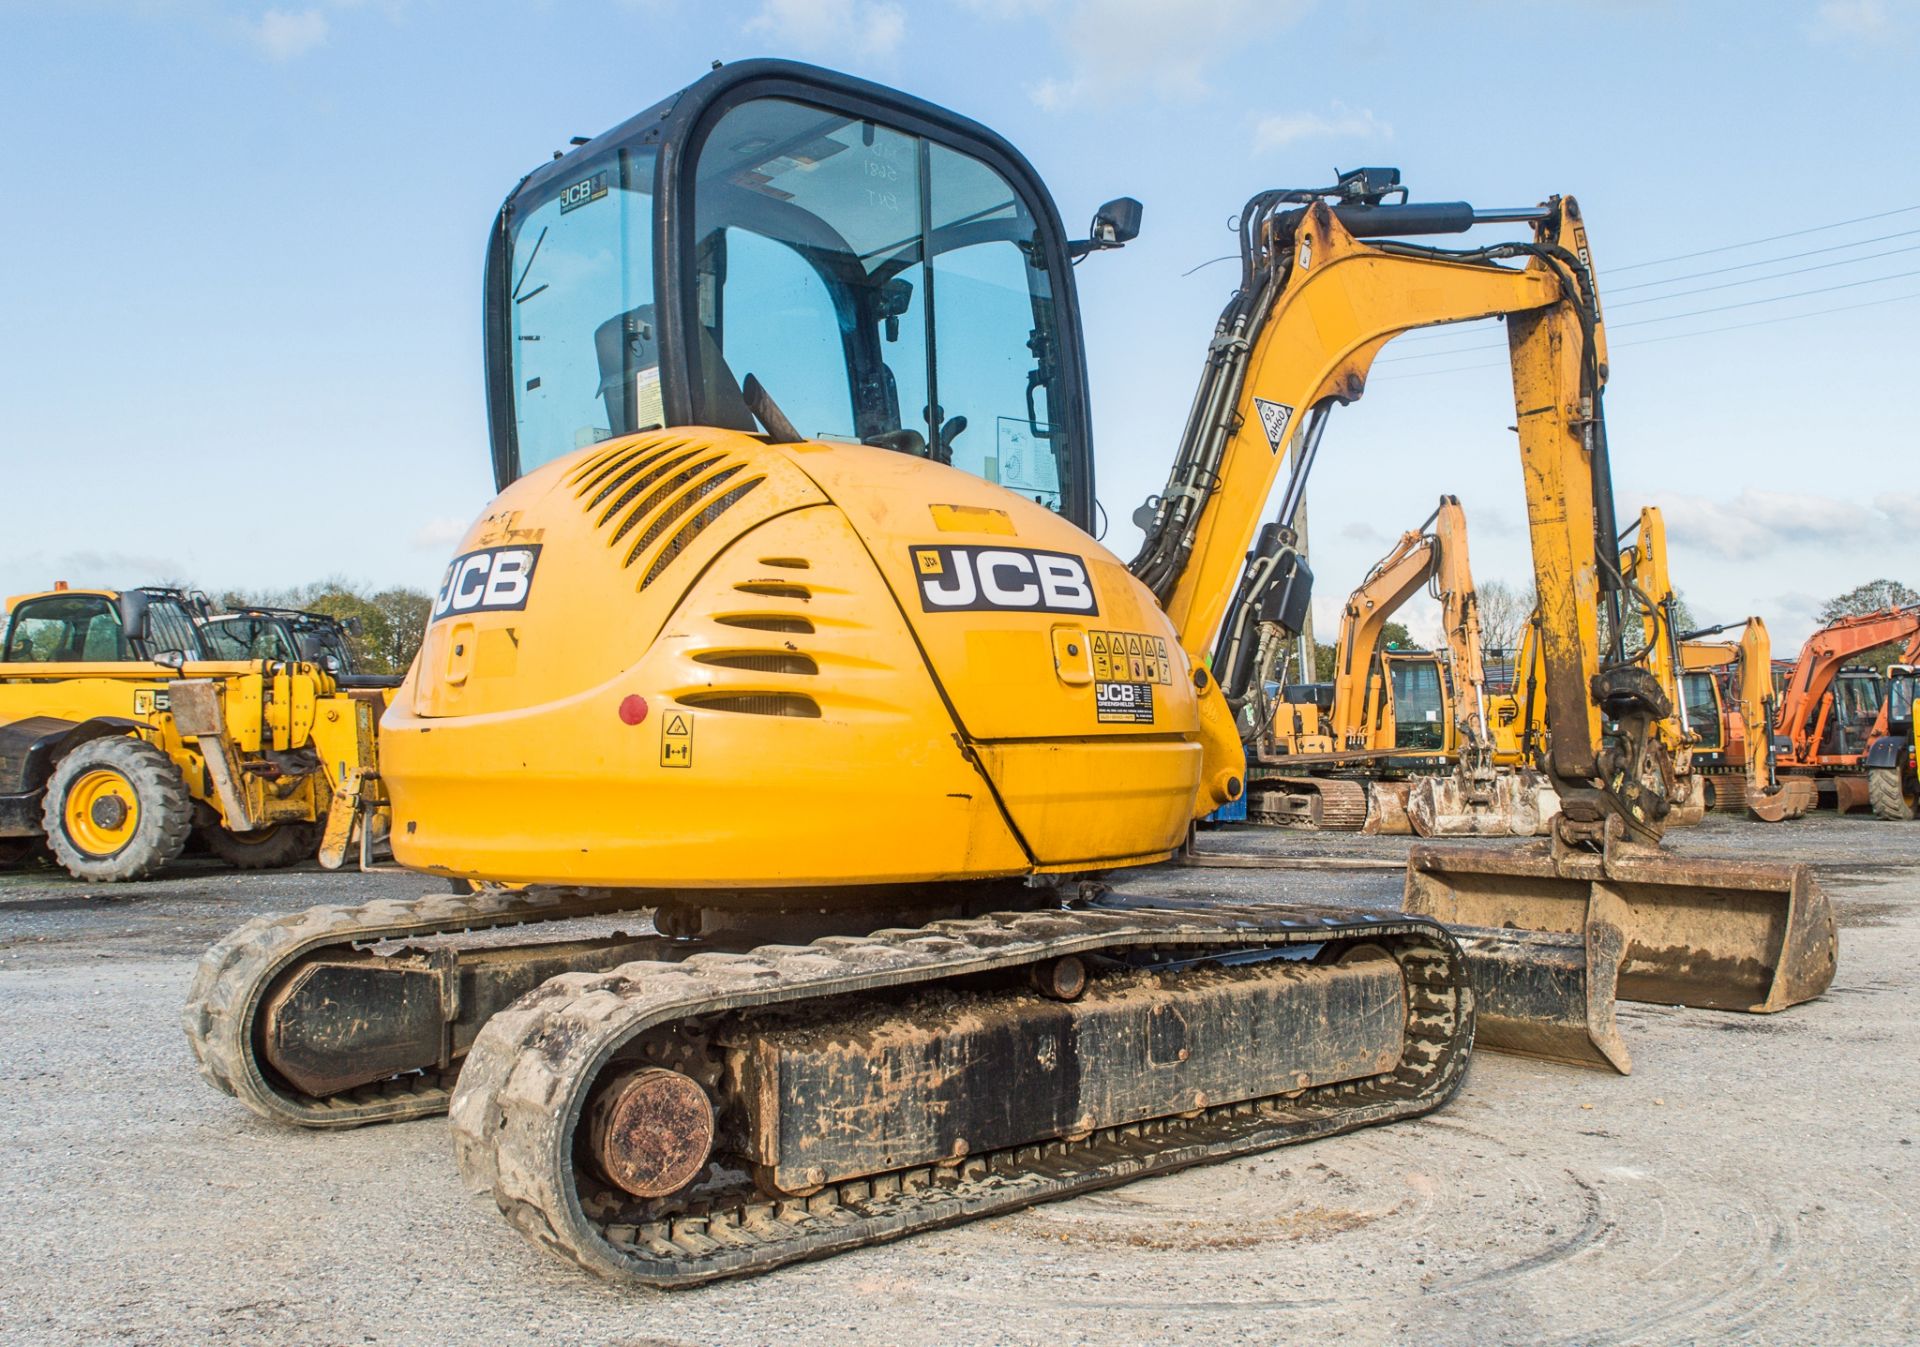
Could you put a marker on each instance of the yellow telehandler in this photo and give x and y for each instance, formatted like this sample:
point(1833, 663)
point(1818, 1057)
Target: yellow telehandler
point(784, 626)
point(120, 737)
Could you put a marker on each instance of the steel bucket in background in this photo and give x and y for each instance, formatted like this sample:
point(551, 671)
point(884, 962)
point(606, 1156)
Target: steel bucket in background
point(1706, 932)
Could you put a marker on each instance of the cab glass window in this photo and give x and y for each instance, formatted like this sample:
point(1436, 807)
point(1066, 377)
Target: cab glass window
point(584, 348)
point(1419, 709)
point(1703, 708)
point(879, 286)
point(64, 629)
point(170, 631)
point(1900, 692)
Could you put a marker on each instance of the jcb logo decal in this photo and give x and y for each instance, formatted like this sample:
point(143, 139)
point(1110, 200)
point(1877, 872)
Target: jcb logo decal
point(497, 579)
point(1006, 579)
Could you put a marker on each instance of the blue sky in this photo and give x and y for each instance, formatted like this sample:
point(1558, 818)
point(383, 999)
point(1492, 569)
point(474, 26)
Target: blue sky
point(242, 345)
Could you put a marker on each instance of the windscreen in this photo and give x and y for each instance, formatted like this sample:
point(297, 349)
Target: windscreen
point(1703, 709)
point(585, 354)
point(1419, 709)
point(63, 629)
point(881, 287)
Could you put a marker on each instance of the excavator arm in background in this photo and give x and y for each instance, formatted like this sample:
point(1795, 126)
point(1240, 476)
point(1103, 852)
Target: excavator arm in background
point(1315, 306)
point(1768, 797)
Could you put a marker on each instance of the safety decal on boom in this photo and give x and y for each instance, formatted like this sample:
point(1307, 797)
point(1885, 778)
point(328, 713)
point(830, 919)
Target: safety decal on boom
point(1126, 703)
point(494, 579)
point(1275, 417)
point(1003, 579)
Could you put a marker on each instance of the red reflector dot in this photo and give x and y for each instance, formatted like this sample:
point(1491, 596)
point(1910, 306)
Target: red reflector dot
point(633, 708)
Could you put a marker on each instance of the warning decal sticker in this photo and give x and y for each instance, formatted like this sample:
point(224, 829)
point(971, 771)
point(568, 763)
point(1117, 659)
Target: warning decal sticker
point(1275, 417)
point(676, 739)
point(1125, 656)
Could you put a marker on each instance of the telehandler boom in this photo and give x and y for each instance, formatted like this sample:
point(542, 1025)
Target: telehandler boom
point(787, 624)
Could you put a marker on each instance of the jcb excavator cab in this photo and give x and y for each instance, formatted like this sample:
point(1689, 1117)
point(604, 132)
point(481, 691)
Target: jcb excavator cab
point(792, 250)
point(75, 626)
point(1418, 700)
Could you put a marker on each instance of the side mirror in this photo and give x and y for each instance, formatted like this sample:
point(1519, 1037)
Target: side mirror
point(1114, 225)
point(132, 607)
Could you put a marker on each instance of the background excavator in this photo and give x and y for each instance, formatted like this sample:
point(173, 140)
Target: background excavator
point(783, 627)
point(1835, 729)
point(1728, 691)
point(1397, 742)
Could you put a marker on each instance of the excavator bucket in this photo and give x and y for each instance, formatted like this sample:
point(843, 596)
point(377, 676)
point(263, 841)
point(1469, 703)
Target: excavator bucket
point(1716, 934)
point(1517, 805)
point(1792, 798)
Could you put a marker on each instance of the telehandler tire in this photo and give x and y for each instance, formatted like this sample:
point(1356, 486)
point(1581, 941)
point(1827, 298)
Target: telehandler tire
point(1891, 794)
point(270, 848)
point(116, 809)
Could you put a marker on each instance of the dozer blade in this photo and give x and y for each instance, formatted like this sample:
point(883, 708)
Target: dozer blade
point(1715, 934)
point(1547, 994)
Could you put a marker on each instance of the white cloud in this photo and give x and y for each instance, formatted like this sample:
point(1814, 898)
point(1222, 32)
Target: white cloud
point(1120, 48)
point(1338, 123)
point(437, 535)
point(870, 27)
point(1757, 523)
point(1863, 21)
point(284, 34)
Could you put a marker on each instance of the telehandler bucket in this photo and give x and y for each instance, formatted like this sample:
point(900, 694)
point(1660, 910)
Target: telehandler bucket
point(1715, 934)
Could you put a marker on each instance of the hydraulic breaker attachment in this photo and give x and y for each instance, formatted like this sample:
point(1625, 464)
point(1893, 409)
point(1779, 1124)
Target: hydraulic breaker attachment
point(1715, 934)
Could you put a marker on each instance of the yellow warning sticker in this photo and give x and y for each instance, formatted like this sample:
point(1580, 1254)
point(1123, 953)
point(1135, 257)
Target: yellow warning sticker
point(1130, 655)
point(676, 739)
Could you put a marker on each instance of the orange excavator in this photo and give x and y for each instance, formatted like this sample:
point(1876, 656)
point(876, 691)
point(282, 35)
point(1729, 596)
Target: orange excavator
point(1831, 738)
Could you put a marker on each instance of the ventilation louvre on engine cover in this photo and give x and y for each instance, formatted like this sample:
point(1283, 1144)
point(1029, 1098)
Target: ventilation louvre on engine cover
point(754, 703)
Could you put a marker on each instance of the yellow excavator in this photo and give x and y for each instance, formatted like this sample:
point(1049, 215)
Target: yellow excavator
point(1734, 752)
point(1398, 741)
point(788, 626)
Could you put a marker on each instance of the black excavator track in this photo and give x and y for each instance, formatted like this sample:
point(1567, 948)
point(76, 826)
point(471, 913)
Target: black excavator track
point(520, 1107)
point(236, 976)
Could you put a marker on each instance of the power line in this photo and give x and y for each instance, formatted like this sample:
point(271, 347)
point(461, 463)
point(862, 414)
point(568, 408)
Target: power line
point(1771, 238)
point(1674, 336)
point(1670, 317)
point(1742, 266)
point(1759, 280)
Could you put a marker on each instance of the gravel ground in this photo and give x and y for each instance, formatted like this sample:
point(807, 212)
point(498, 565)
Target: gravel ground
point(1751, 1182)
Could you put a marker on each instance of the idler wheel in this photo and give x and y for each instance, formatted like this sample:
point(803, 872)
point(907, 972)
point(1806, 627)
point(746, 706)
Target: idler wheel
point(650, 1131)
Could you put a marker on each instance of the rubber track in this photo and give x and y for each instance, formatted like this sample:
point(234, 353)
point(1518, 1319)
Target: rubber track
point(532, 1066)
point(234, 976)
